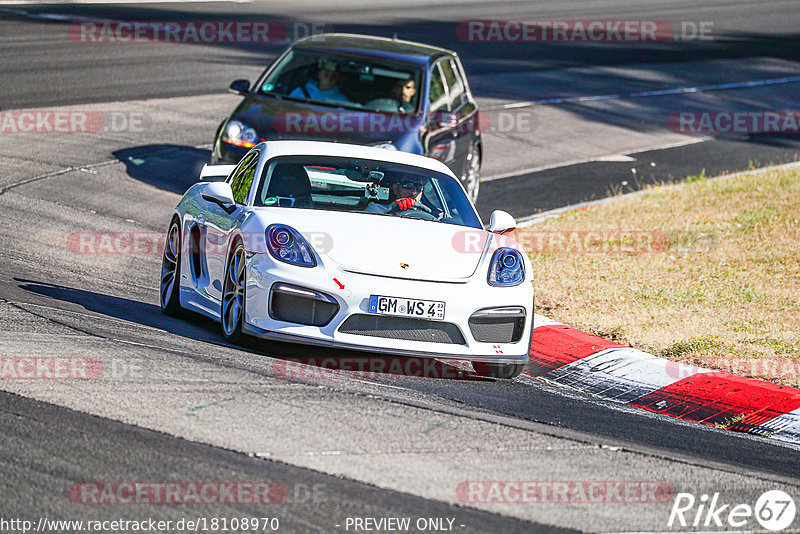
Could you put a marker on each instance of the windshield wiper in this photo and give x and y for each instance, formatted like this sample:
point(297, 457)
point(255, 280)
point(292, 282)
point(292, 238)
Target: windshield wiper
point(328, 103)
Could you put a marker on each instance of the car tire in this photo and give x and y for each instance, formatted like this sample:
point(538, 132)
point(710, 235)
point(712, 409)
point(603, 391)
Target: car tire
point(169, 293)
point(472, 180)
point(215, 150)
point(498, 370)
point(232, 306)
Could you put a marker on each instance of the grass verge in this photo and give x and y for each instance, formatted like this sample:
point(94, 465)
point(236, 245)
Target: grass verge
point(706, 272)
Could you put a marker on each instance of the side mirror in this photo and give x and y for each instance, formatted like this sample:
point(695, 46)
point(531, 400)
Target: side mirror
point(444, 119)
point(220, 193)
point(240, 87)
point(501, 221)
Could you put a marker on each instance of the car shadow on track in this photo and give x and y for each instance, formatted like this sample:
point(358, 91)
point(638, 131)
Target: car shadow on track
point(195, 326)
point(293, 361)
point(172, 168)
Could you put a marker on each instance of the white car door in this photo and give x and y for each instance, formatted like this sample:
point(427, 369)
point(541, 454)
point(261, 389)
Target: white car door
point(219, 223)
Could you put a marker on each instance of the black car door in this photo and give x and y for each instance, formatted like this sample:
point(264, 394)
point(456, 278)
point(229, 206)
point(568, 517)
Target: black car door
point(465, 114)
point(442, 132)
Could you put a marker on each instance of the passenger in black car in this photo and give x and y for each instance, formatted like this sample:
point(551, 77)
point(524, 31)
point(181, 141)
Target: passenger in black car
point(404, 91)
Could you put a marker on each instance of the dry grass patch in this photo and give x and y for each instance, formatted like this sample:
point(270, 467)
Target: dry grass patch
point(706, 272)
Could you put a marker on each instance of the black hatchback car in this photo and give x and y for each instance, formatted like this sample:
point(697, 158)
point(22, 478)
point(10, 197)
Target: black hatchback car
point(362, 90)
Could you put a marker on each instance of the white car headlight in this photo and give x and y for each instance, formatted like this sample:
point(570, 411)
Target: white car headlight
point(507, 268)
point(287, 245)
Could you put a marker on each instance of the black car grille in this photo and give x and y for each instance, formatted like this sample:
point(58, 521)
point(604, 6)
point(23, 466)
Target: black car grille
point(403, 328)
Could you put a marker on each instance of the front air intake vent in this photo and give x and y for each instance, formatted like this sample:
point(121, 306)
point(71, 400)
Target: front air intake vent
point(498, 325)
point(295, 304)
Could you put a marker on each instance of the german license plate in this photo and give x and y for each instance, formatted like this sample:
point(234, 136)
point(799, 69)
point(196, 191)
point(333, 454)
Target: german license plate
point(405, 307)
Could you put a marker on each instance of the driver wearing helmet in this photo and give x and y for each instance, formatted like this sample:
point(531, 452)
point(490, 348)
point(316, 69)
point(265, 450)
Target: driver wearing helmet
point(405, 194)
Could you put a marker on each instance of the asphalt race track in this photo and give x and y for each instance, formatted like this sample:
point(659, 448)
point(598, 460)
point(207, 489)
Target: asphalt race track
point(175, 403)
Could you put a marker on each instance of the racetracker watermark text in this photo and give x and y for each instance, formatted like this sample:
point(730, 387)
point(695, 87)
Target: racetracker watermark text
point(348, 122)
point(532, 241)
point(596, 30)
point(262, 492)
point(770, 368)
point(152, 243)
point(44, 121)
point(563, 492)
point(371, 367)
point(50, 368)
point(734, 122)
point(192, 32)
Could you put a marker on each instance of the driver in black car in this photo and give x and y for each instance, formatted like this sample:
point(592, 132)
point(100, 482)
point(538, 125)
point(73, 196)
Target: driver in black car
point(405, 195)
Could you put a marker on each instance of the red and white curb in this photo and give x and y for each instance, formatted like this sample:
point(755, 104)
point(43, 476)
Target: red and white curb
point(623, 374)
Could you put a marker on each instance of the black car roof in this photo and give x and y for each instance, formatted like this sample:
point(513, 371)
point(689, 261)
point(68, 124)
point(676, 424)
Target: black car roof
point(392, 49)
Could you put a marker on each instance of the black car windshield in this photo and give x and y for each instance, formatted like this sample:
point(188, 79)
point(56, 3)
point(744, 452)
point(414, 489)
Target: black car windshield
point(347, 82)
point(364, 186)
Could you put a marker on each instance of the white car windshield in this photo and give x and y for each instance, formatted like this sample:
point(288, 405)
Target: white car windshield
point(364, 186)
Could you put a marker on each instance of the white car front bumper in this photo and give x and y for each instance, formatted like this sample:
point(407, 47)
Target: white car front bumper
point(454, 338)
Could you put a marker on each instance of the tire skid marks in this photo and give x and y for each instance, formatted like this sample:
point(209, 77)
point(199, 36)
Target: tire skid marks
point(622, 375)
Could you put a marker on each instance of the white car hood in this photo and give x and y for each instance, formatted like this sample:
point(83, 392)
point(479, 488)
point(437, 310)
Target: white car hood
point(381, 245)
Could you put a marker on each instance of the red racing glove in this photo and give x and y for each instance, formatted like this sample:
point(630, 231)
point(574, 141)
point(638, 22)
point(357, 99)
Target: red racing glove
point(405, 203)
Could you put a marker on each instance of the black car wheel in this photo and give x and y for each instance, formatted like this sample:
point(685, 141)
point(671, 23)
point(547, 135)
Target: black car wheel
point(472, 181)
point(171, 271)
point(232, 312)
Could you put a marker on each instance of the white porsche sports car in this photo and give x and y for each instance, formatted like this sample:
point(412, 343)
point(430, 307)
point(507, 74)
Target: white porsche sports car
point(354, 247)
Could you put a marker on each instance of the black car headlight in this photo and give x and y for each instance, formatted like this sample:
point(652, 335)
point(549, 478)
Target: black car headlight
point(239, 134)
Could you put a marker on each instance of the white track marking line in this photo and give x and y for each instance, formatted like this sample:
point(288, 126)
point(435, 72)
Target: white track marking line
point(646, 94)
point(511, 174)
point(619, 96)
point(541, 320)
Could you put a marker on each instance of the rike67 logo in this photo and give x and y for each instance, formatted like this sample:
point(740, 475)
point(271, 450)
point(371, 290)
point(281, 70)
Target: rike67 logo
point(774, 510)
